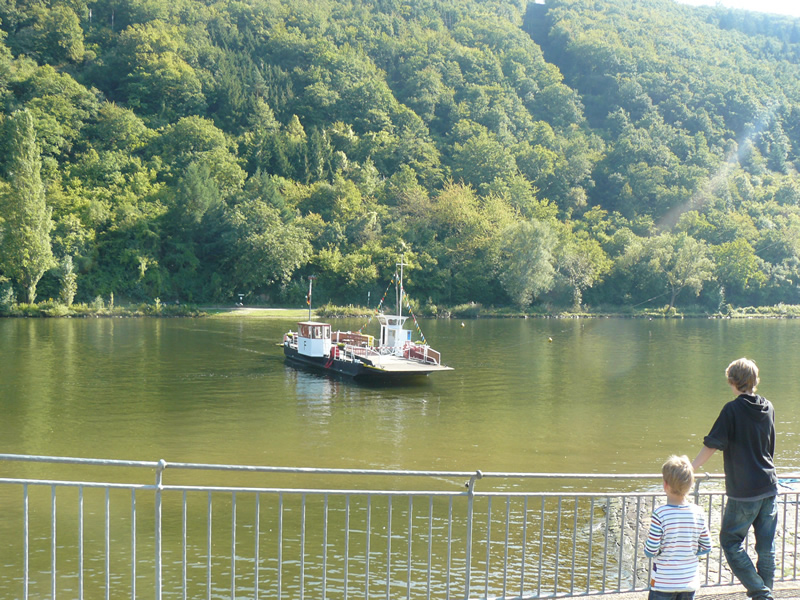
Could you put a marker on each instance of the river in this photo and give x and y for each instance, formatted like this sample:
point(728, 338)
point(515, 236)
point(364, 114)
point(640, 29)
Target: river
point(535, 395)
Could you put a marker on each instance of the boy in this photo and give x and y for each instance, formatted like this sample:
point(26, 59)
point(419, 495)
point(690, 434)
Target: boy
point(745, 432)
point(678, 535)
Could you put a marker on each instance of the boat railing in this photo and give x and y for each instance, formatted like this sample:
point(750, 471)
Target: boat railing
point(422, 353)
point(352, 338)
point(350, 350)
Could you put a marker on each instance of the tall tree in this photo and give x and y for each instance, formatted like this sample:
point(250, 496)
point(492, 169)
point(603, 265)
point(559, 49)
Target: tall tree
point(25, 235)
point(683, 261)
point(527, 261)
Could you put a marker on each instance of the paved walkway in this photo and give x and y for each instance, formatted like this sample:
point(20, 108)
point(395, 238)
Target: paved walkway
point(783, 590)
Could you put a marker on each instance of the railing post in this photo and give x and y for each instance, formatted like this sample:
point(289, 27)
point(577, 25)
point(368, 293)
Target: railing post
point(468, 557)
point(697, 488)
point(162, 464)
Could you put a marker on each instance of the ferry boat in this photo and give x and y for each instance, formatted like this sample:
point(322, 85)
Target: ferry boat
point(356, 354)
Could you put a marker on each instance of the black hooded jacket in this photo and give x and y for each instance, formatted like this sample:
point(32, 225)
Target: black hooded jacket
point(745, 432)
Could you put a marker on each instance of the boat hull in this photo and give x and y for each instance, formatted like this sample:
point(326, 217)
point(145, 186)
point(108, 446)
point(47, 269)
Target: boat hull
point(393, 369)
point(324, 363)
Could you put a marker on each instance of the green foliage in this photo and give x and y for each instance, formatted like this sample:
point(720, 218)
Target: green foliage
point(527, 255)
point(25, 251)
point(7, 298)
point(69, 281)
point(569, 153)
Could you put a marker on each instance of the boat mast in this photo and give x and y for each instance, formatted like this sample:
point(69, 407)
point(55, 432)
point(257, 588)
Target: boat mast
point(308, 298)
point(400, 292)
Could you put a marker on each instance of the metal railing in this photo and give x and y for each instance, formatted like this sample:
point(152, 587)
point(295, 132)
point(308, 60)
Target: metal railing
point(138, 529)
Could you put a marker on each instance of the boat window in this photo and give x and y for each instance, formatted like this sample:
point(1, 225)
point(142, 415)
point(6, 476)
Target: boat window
point(317, 333)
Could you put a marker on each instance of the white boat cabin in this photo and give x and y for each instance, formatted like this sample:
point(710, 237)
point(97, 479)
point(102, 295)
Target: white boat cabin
point(393, 336)
point(313, 338)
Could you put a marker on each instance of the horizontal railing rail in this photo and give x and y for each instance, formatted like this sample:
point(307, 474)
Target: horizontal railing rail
point(153, 529)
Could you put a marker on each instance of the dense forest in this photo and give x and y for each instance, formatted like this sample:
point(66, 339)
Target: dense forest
point(573, 154)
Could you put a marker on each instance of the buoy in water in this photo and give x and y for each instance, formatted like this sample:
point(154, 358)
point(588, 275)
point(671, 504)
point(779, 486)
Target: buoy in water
point(549, 339)
point(462, 324)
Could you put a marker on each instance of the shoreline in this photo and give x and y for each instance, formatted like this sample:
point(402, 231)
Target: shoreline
point(463, 312)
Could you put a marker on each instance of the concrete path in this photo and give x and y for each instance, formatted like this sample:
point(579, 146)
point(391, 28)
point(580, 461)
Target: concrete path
point(783, 590)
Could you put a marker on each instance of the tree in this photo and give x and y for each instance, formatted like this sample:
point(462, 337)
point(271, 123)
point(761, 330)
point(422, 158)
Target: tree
point(683, 261)
point(737, 267)
point(69, 281)
point(55, 36)
point(25, 234)
point(262, 249)
point(527, 261)
point(582, 262)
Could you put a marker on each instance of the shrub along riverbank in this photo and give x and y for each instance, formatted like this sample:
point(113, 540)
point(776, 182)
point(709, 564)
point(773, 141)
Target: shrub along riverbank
point(99, 308)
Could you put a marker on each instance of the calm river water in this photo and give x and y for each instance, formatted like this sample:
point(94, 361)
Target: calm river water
point(541, 395)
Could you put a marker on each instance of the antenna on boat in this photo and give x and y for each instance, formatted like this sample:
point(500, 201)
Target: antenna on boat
point(308, 298)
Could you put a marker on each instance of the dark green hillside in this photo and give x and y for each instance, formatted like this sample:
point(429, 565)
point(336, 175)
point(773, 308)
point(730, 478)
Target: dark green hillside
point(577, 152)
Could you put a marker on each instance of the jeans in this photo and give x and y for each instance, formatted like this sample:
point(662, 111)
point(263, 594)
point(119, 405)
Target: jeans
point(739, 516)
point(656, 595)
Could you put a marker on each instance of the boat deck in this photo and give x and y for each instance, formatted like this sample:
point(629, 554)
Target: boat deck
point(394, 364)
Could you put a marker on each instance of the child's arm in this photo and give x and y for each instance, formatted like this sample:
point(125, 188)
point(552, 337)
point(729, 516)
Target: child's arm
point(701, 458)
point(652, 545)
point(704, 541)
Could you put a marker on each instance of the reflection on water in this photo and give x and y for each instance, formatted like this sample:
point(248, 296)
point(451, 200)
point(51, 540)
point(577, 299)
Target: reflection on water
point(541, 395)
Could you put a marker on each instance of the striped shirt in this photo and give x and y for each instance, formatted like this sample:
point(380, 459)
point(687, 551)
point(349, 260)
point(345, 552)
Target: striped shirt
point(678, 535)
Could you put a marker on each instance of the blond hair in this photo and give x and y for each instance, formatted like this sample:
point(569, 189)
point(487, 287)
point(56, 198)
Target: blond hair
point(743, 375)
point(678, 474)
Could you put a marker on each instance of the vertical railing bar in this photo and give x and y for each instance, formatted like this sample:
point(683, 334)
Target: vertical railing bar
point(430, 545)
point(558, 546)
point(470, 515)
point(302, 545)
point(133, 544)
point(389, 549)
point(783, 545)
point(410, 526)
point(794, 553)
point(541, 549)
point(184, 561)
point(280, 546)
point(208, 549)
point(524, 546)
point(449, 547)
point(366, 549)
point(233, 546)
point(505, 549)
point(107, 526)
point(53, 541)
point(488, 546)
point(325, 547)
point(589, 550)
point(162, 464)
point(709, 521)
point(346, 544)
point(257, 550)
point(621, 542)
point(721, 516)
point(25, 543)
point(636, 541)
point(80, 543)
point(574, 547)
point(605, 544)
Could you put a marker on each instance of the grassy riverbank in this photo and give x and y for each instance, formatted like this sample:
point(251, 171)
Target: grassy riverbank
point(475, 311)
point(52, 309)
